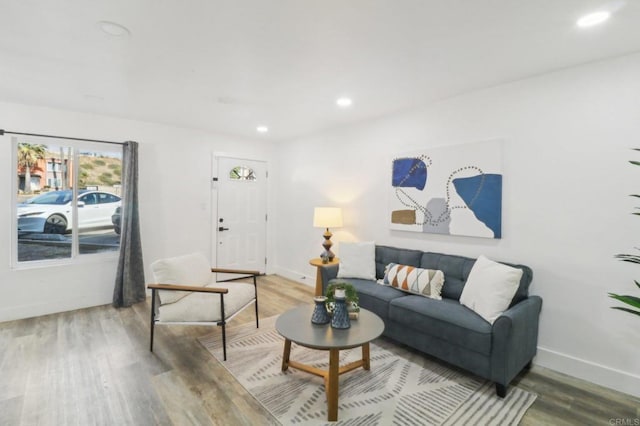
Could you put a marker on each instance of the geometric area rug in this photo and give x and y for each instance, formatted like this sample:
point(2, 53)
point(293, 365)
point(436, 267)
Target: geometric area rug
point(402, 388)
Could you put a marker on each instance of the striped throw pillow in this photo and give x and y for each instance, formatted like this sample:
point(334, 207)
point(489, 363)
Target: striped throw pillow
point(423, 282)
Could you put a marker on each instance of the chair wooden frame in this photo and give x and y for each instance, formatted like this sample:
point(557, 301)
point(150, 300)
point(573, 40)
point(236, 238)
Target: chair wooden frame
point(216, 290)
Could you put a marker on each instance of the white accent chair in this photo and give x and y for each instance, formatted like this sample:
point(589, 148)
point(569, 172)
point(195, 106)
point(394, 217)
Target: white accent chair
point(185, 292)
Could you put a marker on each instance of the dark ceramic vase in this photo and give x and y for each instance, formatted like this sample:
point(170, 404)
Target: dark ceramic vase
point(340, 317)
point(320, 314)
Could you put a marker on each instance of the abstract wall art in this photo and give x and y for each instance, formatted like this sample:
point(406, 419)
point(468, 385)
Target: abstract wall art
point(453, 190)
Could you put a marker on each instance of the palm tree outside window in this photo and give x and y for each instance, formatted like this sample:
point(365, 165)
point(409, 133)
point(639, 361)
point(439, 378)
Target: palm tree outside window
point(28, 156)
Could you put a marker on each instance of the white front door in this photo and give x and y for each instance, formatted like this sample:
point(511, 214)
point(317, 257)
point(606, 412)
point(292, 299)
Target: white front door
point(241, 223)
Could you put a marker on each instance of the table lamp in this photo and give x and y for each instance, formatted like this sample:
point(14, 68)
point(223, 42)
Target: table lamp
point(327, 217)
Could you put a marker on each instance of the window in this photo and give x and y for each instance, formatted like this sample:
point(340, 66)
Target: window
point(66, 200)
point(242, 173)
point(53, 166)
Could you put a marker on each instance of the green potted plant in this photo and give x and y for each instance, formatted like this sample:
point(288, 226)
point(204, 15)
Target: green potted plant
point(632, 301)
point(629, 300)
point(351, 296)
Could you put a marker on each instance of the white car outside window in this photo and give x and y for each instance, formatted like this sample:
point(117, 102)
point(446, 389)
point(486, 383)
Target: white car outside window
point(52, 212)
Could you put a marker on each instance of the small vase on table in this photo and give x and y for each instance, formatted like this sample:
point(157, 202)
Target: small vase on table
point(340, 317)
point(320, 314)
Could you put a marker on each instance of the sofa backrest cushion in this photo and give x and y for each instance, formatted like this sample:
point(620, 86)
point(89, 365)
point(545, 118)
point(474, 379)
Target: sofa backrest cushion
point(455, 268)
point(456, 271)
point(523, 289)
point(386, 255)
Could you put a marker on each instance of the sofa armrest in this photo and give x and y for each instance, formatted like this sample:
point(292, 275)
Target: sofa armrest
point(514, 339)
point(328, 272)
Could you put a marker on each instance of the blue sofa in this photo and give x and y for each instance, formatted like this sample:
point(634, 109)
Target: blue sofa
point(445, 328)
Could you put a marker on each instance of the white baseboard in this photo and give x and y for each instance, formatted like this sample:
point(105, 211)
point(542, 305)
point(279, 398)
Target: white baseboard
point(590, 371)
point(296, 276)
point(52, 307)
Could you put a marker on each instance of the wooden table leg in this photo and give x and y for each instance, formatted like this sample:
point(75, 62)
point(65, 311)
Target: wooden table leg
point(366, 360)
point(333, 381)
point(318, 281)
point(285, 354)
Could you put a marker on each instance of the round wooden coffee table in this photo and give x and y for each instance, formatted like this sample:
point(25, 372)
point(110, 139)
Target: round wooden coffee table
point(295, 326)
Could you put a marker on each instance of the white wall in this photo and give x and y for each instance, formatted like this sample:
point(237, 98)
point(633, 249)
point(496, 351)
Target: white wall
point(565, 206)
point(175, 203)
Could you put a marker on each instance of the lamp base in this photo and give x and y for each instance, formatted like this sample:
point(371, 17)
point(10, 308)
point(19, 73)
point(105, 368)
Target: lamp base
point(327, 253)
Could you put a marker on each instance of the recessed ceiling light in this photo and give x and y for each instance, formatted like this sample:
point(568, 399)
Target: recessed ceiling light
point(262, 129)
point(592, 19)
point(114, 29)
point(344, 102)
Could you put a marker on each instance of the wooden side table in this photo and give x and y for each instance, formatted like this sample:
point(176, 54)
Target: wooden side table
point(317, 262)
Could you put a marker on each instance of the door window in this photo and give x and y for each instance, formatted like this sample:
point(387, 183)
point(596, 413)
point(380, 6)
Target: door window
point(242, 173)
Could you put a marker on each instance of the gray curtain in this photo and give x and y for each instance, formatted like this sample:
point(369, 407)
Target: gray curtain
point(130, 283)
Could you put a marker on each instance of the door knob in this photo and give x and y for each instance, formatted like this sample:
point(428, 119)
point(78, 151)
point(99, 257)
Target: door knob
point(221, 228)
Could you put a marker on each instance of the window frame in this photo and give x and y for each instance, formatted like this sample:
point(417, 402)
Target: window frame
point(76, 257)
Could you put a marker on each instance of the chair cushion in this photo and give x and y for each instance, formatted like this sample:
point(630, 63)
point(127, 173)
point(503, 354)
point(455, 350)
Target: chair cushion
point(205, 307)
point(191, 269)
point(445, 319)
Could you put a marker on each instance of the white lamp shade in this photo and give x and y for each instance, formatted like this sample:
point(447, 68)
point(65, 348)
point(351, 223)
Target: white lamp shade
point(327, 217)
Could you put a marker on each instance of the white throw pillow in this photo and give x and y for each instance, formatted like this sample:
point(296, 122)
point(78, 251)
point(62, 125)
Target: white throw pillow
point(490, 288)
point(358, 260)
point(191, 270)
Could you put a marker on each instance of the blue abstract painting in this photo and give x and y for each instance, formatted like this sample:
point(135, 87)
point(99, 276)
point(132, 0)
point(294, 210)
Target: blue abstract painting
point(409, 173)
point(483, 196)
point(452, 190)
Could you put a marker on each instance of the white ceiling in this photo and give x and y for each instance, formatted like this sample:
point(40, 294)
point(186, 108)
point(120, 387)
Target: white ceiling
point(228, 66)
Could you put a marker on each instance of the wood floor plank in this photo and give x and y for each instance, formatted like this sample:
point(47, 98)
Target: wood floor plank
point(15, 366)
point(93, 367)
point(11, 411)
point(180, 405)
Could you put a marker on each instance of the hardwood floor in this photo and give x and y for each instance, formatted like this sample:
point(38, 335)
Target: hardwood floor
point(93, 367)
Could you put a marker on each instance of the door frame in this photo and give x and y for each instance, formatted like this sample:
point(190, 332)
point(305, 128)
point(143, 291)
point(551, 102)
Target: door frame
point(213, 220)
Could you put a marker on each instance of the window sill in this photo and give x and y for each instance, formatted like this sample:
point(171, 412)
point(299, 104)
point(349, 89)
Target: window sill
point(84, 259)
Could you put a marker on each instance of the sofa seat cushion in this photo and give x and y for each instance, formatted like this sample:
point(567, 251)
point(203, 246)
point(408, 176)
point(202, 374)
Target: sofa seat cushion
point(445, 319)
point(205, 307)
point(373, 296)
